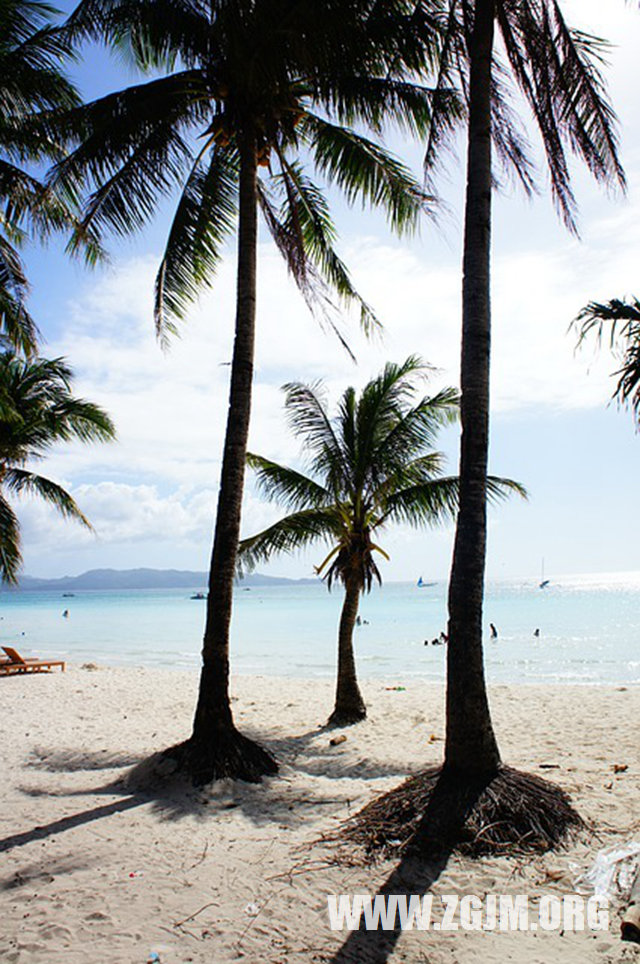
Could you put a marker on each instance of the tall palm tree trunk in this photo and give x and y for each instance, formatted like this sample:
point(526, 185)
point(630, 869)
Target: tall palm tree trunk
point(349, 706)
point(470, 742)
point(216, 748)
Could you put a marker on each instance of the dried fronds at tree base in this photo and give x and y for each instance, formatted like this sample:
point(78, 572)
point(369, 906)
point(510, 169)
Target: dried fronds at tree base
point(437, 811)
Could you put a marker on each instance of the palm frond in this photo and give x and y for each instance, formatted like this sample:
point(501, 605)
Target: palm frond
point(413, 430)
point(204, 219)
point(383, 408)
point(17, 327)
point(305, 235)
point(435, 502)
point(308, 419)
point(20, 481)
point(364, 170)
point(430, 503)
point(10, 555)
point(134, 147)
point(622, 318)
point(291, 489)
point(75, 418)
point(439, 142)
point(31, 209)
point(38, 390)
point(499, 489)
point(556, 69)
point(295, 531)
point(512, 148)
point(150, 33)
point(379, 102)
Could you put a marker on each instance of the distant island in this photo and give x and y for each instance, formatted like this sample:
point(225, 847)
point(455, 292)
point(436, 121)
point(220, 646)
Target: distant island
point(141, 579)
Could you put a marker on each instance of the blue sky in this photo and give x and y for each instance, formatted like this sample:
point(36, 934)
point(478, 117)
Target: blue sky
point(151, 496)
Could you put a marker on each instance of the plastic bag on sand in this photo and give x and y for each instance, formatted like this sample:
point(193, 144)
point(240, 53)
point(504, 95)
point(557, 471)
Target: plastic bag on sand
point(612, 872)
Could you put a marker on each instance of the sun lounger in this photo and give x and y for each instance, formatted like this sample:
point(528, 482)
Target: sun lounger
point(15, 663)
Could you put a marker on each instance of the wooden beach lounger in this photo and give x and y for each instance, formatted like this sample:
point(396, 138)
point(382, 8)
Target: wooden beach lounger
point(15, 663)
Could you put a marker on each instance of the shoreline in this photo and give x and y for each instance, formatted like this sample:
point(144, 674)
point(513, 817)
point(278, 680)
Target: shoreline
point(401, 678)
point(89, 862)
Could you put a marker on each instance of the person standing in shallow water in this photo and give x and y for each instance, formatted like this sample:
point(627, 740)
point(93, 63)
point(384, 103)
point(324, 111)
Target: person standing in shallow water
point(493, 630)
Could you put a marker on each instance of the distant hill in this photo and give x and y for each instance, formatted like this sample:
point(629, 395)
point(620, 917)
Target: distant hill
point(141, 579)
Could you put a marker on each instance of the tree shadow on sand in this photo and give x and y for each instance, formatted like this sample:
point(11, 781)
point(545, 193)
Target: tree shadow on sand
point(153, 780)
point(74, 761)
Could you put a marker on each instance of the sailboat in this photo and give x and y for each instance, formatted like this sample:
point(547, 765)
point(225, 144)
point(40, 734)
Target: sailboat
point(543, 582)
point(421, 584)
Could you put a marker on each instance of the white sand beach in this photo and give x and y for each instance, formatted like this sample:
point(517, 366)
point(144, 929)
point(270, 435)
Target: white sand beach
point(92, 870)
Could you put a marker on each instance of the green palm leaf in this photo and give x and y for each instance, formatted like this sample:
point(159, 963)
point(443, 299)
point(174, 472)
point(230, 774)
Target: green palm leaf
point(20, 481)
point(308, 418)
point(286, 486)
point(10, 555)
point(134, 147)
point(33, 88)
point(17, 327)
point(363, 169)
point(305, 234)
point(294, 532)
point(204, 219)
point(38, 410)
point(435, 502)
point(622, 319)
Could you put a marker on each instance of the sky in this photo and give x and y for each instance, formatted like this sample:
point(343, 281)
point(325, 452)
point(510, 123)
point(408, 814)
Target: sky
point(151, 495)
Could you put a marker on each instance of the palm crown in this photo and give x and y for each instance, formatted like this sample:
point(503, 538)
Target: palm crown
point(291, 79)
point(374, 464)
point(32, 51)
point(622, 317)
point(557, 71)
point(38, 411)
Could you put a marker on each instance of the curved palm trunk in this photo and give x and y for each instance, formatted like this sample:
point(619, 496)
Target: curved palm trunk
point(470, 742)
point(216, 749)
point(349, 706)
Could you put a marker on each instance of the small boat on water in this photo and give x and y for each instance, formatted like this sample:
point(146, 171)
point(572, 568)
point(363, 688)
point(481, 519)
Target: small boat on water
point(543, 582)
point(198, 595)
point(421, 584)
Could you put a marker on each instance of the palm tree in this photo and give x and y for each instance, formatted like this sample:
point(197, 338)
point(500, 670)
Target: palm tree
point(623, 319)
point(374, 465)
point(32, 51)
point(555, 69)
point(39, 411)
point(258, 82)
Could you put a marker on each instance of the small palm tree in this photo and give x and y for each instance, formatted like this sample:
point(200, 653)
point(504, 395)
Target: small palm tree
point(623, 319)
point(377, 467)
point(249, 88)
point(38, 411)
point(32, 52)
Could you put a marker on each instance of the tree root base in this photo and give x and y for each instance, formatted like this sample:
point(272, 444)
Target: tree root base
point(230, 755)
point(347, 717)
point(439, 810)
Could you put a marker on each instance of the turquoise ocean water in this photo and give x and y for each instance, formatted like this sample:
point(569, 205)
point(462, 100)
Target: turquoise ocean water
point(589, 629)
